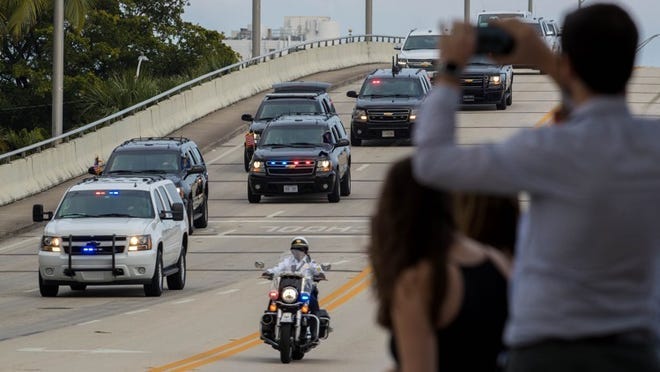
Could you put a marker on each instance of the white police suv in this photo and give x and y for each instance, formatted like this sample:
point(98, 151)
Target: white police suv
point(114, 230)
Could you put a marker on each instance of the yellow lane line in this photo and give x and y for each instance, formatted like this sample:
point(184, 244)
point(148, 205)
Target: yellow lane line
point(338, 297)
point(546, 118)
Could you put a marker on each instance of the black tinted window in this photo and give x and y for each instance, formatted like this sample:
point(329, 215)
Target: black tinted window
point(421, 42)
point(139, 161)
point(409, 87)
point(106, 203)
point(273, 108)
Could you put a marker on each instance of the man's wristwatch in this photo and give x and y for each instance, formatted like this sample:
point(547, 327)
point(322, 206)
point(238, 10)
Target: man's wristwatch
point(449, 69)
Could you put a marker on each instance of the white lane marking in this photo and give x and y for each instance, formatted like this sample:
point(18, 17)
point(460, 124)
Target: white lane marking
point(362, 167)
point(274, 214)
point(89, 351)
point(224, 233)
point(224, 154)
point(184, 301)
point(18, 243)
point(261, 220)
point(262, 282)
point(136, 311)
point(31, 290)
point(283, 235)
point(90, 322)
point(228, 291)
point(339, 262)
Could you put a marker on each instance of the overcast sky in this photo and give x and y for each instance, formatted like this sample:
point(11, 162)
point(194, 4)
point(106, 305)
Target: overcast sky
point(397, 17)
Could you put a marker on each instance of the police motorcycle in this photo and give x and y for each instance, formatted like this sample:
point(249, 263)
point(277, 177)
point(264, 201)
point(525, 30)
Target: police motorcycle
point(288, 324)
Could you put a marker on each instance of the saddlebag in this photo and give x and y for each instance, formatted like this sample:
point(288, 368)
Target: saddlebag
point(324, 318)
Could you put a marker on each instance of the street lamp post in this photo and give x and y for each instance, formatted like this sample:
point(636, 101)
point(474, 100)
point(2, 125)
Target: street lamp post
point(141, 58)
point(256, 28)
point(466, 11)
point(58, 69)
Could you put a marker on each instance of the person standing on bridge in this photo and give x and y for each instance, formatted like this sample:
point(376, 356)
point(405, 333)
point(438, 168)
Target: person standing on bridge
point(585, 272)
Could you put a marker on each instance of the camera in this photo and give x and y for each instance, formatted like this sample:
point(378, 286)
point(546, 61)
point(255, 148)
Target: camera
point(493, 40)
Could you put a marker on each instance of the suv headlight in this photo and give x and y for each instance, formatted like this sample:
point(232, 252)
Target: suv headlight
point(258, 166)
point(495, 80)
point(360, 115)
point(139, 243)
point(289, 295)
point(51, 243)
point(402, 62)
point(324, 165)
point(413, 115)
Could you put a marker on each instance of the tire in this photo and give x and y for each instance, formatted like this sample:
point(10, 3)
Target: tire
point(509, 98)
point(354, 140)
point(78, 287)
point(335, 195)
point(252, 197)
point(190, 212)
point(47, 290)
point(502, 104)
point(297, 354)
point(177, 280)
point(155, 287)
point(346, 183)
point(286, 349)
point(203, 220)
point(246, 159)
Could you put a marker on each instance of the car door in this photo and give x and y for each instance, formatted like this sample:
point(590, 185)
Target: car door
point(342, 151)
point(196, 181)
point(171, 235)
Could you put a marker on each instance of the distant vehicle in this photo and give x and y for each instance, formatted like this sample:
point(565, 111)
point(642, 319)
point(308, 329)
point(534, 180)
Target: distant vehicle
point(420, 50)
point(294, 97)
point(114, 230)
point(485, 82)
point(386, 106)
point(301, 154)
point(484, 17)
point(546, 32)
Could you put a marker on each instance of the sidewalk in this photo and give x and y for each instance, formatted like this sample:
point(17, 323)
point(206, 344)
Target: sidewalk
point(207, 132)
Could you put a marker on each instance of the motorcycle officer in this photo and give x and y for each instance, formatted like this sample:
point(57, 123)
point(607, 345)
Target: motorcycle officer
point(300, 262)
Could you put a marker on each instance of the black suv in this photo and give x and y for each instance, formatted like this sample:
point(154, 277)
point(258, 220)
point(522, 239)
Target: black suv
point(386, 107)
point(295, 97)
point(485, 82)
point(299, 154)
point(176, 158)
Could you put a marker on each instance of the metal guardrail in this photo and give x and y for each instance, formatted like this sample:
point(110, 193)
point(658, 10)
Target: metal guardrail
point(39, 146)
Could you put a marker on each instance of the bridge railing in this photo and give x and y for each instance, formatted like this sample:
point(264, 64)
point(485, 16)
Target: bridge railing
point(65, 137)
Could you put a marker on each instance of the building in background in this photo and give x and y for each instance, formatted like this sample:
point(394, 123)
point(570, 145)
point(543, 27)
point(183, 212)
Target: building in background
point(295, 30)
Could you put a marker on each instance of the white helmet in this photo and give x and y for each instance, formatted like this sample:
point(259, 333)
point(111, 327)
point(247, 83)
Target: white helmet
point(301, 243)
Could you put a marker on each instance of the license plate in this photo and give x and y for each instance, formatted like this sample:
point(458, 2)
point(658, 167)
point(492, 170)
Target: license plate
point(468, 98)
point(388, 134)
point(290, 188)
point(286, 318)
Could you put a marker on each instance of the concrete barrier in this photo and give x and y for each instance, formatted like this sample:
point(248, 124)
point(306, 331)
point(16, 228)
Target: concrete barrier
point(35, 173)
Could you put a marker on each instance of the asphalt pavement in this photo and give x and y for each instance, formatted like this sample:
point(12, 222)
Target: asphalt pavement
point(207, 132)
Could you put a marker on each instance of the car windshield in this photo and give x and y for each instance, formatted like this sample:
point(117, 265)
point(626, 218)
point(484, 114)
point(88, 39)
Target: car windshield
point(391, 87)
point(271, 109)
point(415, 42)
point(480, 60)
point(106, 203)
point(145, 161)
point(484, 19)
point(293, 136)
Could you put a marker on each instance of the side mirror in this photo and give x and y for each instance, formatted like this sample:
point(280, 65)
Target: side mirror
point(177, 211)
point(397, 47)
point(259, 265)
point(343, 142)
point(352, 94)
point(196, 169)
point(247, 117)
point(38, 214)
point(326, 266)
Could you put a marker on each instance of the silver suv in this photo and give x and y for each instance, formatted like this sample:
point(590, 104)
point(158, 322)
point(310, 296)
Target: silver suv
point(114, 230)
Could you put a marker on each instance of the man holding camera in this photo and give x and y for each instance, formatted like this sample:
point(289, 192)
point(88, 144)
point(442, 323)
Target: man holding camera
point(586, 271)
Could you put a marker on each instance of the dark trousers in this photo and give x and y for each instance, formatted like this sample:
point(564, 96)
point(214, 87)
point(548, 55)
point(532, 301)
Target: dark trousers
point(606, 354)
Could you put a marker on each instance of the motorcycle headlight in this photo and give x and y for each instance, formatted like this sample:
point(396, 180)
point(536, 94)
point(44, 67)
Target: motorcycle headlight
point(289, 295)
point(360, 115)
point(51, 244)
point(323, 166)
point(258, 166)
point(139, 243)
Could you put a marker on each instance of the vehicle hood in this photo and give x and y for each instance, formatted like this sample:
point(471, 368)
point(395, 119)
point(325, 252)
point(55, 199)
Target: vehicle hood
point(419, 54)
point(99, 226)
point(483, 69)
point(388, 102)
point(266, 153)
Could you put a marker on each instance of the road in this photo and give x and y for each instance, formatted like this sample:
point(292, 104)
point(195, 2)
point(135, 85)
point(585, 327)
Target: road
point(211, 325)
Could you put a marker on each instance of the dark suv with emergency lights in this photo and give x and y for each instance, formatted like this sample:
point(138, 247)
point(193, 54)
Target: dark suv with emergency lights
point(294, 97)
point(301, 154)
point(386, 106)
point(177, 158)
point(486, 82)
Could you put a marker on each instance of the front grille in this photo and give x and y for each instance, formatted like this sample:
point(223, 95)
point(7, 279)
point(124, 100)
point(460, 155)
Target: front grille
point(472, 81)
point(290, 168)
point(93, 244)
point(388, 116)
point(427, 64)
